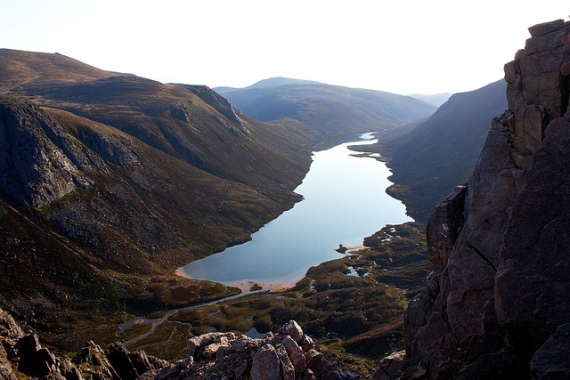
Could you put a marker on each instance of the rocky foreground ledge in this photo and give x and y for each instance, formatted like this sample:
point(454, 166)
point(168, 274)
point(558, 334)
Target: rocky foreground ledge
point(288, 355)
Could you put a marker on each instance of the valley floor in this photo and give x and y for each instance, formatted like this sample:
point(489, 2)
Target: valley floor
point(353, 307)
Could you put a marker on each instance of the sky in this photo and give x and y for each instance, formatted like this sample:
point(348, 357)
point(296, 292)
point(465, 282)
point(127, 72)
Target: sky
point(404, 47)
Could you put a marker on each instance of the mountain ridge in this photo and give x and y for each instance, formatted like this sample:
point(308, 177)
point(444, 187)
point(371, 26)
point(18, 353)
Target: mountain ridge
point(433, 99)
point(322, 107)
point(269, 82)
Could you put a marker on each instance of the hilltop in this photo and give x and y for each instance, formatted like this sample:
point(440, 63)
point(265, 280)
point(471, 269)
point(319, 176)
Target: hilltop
point(326, 108)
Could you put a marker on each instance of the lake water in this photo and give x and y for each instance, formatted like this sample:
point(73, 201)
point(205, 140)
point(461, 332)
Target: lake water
point(345, 201)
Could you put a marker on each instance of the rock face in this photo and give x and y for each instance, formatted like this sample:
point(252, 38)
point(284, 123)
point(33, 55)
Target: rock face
point(288, 355)
point(44, 171)
point(496, 305)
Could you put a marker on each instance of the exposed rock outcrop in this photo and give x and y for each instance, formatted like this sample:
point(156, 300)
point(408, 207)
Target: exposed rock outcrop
point(496, 305)
point(288, 355)
point(38, 162)
point(21, 354)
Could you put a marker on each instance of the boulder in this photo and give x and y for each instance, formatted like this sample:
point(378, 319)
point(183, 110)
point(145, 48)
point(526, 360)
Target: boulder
point(314, 359)
point(307, 343)
point(295, 353)
point(95, 363)
point(391, 366)
point(287, 368)
point(545, 28)
point(266, 364)
point(293, 329)
point(198, 342)
point(121, 362)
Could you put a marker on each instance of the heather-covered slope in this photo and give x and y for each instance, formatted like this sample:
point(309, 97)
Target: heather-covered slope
point(190, 123)
point(325, 108)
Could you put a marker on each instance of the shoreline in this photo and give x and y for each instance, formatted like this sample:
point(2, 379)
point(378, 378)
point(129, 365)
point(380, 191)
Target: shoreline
point(249, 286)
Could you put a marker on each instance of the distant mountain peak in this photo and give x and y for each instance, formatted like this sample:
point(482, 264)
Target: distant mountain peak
point(325, 108)
point(280, 81)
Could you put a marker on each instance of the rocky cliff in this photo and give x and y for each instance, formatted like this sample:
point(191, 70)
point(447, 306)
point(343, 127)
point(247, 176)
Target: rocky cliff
point(496, 305)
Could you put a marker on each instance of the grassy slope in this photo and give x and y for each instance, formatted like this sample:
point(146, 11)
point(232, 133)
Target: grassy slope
point(179, 176)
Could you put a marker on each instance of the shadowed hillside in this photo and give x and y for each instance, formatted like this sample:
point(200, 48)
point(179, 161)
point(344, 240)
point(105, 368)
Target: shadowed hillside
point(441, 152)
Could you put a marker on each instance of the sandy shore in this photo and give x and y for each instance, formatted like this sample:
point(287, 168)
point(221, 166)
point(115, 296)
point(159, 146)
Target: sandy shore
point(246, 285)
point(356, 248)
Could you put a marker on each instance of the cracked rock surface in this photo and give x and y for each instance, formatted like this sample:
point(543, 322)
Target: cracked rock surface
point(496, 305)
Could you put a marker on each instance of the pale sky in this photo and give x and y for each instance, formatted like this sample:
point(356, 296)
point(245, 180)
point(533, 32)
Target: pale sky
point(413, 46)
